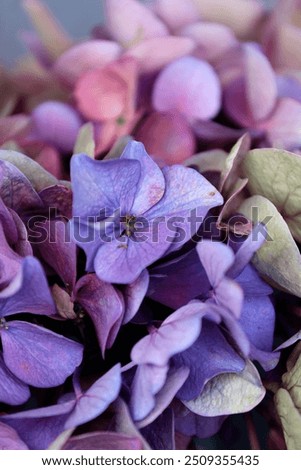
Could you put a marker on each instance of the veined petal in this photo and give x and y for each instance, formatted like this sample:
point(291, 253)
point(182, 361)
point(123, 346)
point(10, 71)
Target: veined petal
point(38, 356)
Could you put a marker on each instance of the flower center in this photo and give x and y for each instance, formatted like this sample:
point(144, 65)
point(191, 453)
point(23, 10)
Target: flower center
point(3, 324)
point(128, 225)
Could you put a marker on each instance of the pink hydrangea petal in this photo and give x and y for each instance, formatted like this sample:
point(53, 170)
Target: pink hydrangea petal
point(83, 57)
point(261, 85)
point(13, 127)
point(56, 124)
point(129, 21)
point(211, 39)
point(176, 13)
point(189, 86)
point(283, 127)
point(167, 137)
point(100, 95)
point(50, 159)
point(242, 16)
point(155, 53)
point(253, 95)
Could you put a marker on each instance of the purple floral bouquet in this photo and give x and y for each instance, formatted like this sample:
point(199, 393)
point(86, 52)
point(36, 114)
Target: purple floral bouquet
point(150, 226)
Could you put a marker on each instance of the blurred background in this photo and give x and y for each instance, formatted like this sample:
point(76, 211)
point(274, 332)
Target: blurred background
point(77, 16)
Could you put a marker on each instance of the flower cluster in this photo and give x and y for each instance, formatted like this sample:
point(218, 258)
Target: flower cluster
point(150, 228)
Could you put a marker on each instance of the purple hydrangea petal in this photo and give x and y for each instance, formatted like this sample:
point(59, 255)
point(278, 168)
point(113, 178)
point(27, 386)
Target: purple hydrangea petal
point(258, 321)
point(203, 427)
point(170, 282)
point(38, 432)
point(9, 439)
point(229, 294)
point(151, 185)
point(109, 185)
point(267, 360)
point(134, 294)
point(38, 356)
point(59, 197)
point(148, 381)
point(96, 399)
point(175, 380)
point(214, 356)
point(160, 434)
point(9, 261)
point(12, 390)
point(103, 441)
point(28, 291)
point(251, 283)
point(16, 190)
point(103, 304)
point(177, 333)
point(251, 96)
point(246, 251)
point(123, 263)
point(56, 248)
point(189, 86)
point(216, 258)
point(215, 134)
point(57, 124)
point(186, 190)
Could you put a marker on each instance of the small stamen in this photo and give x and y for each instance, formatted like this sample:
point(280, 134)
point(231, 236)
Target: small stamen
point(3, 324)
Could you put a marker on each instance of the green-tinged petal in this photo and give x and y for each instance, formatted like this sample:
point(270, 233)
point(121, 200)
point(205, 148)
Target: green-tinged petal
point(36, 174)
point(276, 175)
point(290, 419)
point(278, 260)
point(85, 142)
point(229, 394)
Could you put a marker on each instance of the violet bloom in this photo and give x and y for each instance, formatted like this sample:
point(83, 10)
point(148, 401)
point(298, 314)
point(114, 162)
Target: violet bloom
point(127, 213)
point(31, 354)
